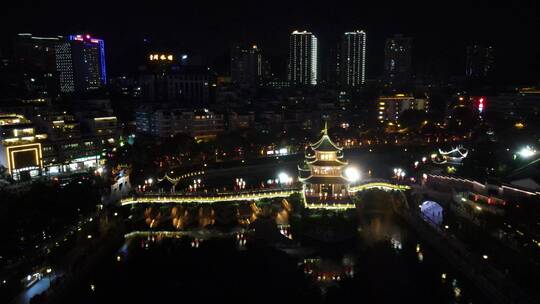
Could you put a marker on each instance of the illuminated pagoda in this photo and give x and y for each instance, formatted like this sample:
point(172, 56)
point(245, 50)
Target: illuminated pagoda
point(453, 157)
point(322, 174)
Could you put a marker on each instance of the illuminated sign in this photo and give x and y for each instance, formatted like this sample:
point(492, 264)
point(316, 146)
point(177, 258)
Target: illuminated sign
point(481, 104)
point(86, 38)
point(161, 57)
point(24, 156)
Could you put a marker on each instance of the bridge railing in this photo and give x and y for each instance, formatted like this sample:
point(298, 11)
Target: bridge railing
point(232, 196)
point(380, 184)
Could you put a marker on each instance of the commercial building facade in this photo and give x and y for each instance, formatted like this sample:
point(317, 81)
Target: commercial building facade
point(389, 108)
point(80, 63)
point(202, 124)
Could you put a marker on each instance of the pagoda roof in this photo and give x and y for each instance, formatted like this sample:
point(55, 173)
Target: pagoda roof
point(328, 163)
point(325, 144)
point(303, 173)
point(458, 152)
point(324, 180)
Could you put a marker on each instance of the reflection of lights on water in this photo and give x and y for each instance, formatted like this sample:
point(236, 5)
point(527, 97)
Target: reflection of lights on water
point(241, 239)
point(419, 253)
point(396, 244)
point(314, 267)
point(196, 243)
point(457, 292)
point(284, 230)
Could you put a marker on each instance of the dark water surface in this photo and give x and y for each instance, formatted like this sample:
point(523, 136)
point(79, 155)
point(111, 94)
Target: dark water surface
point(268, 254)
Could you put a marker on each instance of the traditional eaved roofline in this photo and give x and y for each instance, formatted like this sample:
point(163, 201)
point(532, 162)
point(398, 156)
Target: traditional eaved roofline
point(346, 180)
point(455, 150)
point(303, 179)
point(343, 162)
point(304, 169)
point(316, 145)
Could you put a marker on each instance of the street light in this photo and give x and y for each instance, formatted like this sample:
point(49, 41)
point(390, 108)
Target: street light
point(284, 178)
point(352, 174)
point(526, 152)
point(399, 173)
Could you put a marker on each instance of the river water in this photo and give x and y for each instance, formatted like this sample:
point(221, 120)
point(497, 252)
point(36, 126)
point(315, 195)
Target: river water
point(271, 253)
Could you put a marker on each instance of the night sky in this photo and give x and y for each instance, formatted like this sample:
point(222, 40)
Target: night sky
point(441, 32)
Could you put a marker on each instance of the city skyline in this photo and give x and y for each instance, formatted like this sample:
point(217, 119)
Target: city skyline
point(441, 45)
point(313, 152)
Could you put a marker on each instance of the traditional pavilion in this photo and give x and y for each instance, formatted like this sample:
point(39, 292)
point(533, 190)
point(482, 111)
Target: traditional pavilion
point(452, 157)
point(322, 173)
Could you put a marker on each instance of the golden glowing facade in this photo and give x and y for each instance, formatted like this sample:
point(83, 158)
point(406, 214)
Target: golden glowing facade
point(322, 174)
point(20, 147)
point(389, 108)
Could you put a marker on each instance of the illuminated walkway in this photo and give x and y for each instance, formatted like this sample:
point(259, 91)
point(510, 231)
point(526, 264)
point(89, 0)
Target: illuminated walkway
point(153, 198)
point(202, 234)
point(210, 199)
point(383, 185)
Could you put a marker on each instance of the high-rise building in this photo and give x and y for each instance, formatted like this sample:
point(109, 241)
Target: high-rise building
point(303, 60)
point(202, 124)
point(353, 59)
point(331, 69)
point(398, 60)
point(480, 60)
point(390, 107)
point(34, 58)
point(80, 62)
point(248, 67)
point(168, 77)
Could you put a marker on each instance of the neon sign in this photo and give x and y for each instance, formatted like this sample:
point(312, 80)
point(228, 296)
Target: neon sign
point(161, 57)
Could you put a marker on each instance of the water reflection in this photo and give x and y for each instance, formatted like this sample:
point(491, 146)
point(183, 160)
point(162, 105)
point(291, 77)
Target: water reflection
point(346, 250)
point(180, 217)
point(328, 271)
